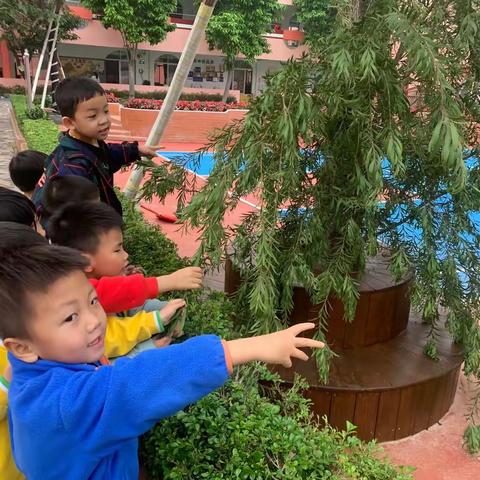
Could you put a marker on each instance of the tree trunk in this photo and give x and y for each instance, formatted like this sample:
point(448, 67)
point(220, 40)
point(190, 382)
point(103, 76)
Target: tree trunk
point(132, 53)
point(197, 33)
point(228, 83)
point(20, 67)
point(28, 79)
point(359, 9)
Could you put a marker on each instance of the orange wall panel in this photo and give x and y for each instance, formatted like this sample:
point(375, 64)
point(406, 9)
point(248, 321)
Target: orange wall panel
point(184, 126)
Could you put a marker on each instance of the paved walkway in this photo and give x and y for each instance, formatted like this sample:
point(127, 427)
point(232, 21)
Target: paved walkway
point(7, 142)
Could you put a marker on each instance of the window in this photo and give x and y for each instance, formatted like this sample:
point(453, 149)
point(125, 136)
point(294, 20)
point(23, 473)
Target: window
point(242, 77)
point(116, 67)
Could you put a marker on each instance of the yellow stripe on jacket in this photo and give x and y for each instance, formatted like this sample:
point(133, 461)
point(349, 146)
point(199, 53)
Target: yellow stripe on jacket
point(122, 334)
point(7, 464)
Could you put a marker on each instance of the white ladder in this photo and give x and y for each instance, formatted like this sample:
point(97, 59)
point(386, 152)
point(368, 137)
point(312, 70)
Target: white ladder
point(54, 69)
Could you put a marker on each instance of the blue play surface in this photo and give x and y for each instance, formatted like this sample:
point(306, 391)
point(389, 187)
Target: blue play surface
point(201, 166)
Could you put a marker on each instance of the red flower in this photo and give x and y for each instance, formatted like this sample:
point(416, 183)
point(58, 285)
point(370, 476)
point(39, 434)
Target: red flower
point(196, 105)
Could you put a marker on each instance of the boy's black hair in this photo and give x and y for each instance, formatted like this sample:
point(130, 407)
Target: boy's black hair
point(81, 225)
point(26, 169)
point(65, 189)
point(27, 271)
point(16, 207)
point(16, 236)
point(73, 90)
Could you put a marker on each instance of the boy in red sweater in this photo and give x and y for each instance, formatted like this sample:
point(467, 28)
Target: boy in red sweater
point(96, 230)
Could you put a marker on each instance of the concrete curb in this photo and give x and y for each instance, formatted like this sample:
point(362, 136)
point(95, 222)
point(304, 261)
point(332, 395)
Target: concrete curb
point(20, 142)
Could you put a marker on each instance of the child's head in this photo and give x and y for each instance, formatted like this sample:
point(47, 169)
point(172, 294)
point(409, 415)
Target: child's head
point(65, 189)
point(17, 208)
point(26, 169)
point(48, 309)
point(16, 235)
point(84, 108)
point(95, 229)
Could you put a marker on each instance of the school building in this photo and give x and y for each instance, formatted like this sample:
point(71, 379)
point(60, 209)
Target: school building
point(99, 52)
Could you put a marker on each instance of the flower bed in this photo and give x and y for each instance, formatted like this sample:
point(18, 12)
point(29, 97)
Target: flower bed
point(111, 97)
point(197, 105)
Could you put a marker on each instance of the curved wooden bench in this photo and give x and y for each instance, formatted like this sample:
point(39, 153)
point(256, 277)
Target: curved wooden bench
point(381, 381)
point(389, 390)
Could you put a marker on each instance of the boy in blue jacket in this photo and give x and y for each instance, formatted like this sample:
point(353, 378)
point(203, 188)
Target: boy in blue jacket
point(71, 415)
point(82, 150)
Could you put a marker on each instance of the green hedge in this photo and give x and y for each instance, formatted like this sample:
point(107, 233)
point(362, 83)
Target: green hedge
point(237, 433)
point(40, 134)
point(208, 312)
point(160, 95)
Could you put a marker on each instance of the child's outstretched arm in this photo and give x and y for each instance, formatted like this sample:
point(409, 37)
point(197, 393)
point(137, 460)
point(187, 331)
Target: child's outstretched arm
point(155, 384)
point(276, 348)
point(125, 292)
point(126, 153)
point(188, 278)
point(124, 333)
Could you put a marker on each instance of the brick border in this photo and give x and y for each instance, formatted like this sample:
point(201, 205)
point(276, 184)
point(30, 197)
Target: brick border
point(20, 142)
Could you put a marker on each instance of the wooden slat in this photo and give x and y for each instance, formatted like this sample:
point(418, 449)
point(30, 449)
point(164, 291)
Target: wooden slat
point(321, 402)
point(342, 408)
point(438, 387)
point(423, 405)
point(402, 309)
point(406, 413)
point(356, 331)
point(387, 415)
point(365, 417)
point(336, 324)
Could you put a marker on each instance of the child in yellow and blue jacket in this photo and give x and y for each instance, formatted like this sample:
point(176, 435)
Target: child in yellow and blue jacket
point(122, 333)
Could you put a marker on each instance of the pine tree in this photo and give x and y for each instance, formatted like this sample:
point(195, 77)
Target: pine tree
point(371, 140)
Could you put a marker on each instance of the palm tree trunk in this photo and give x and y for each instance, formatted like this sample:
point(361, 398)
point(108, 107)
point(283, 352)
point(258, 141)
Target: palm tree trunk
point(184, 65)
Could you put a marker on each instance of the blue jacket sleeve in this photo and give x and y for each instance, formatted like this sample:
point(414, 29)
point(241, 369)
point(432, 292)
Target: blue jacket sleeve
point(122, 154)
point(118, 403)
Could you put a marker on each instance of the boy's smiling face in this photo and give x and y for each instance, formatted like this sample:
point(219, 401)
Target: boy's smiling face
point(68, 323)
point(91, 121)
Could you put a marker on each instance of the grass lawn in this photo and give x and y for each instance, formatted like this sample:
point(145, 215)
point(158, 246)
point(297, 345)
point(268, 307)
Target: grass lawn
point(41, 135)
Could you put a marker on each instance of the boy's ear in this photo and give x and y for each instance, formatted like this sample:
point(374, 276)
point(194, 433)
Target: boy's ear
point(68, 123)
point(91, 263)
point(21, 349)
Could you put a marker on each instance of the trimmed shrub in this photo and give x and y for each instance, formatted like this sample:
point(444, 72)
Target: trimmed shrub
point(236, 433)
point(36, 113)
point(41, 134)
